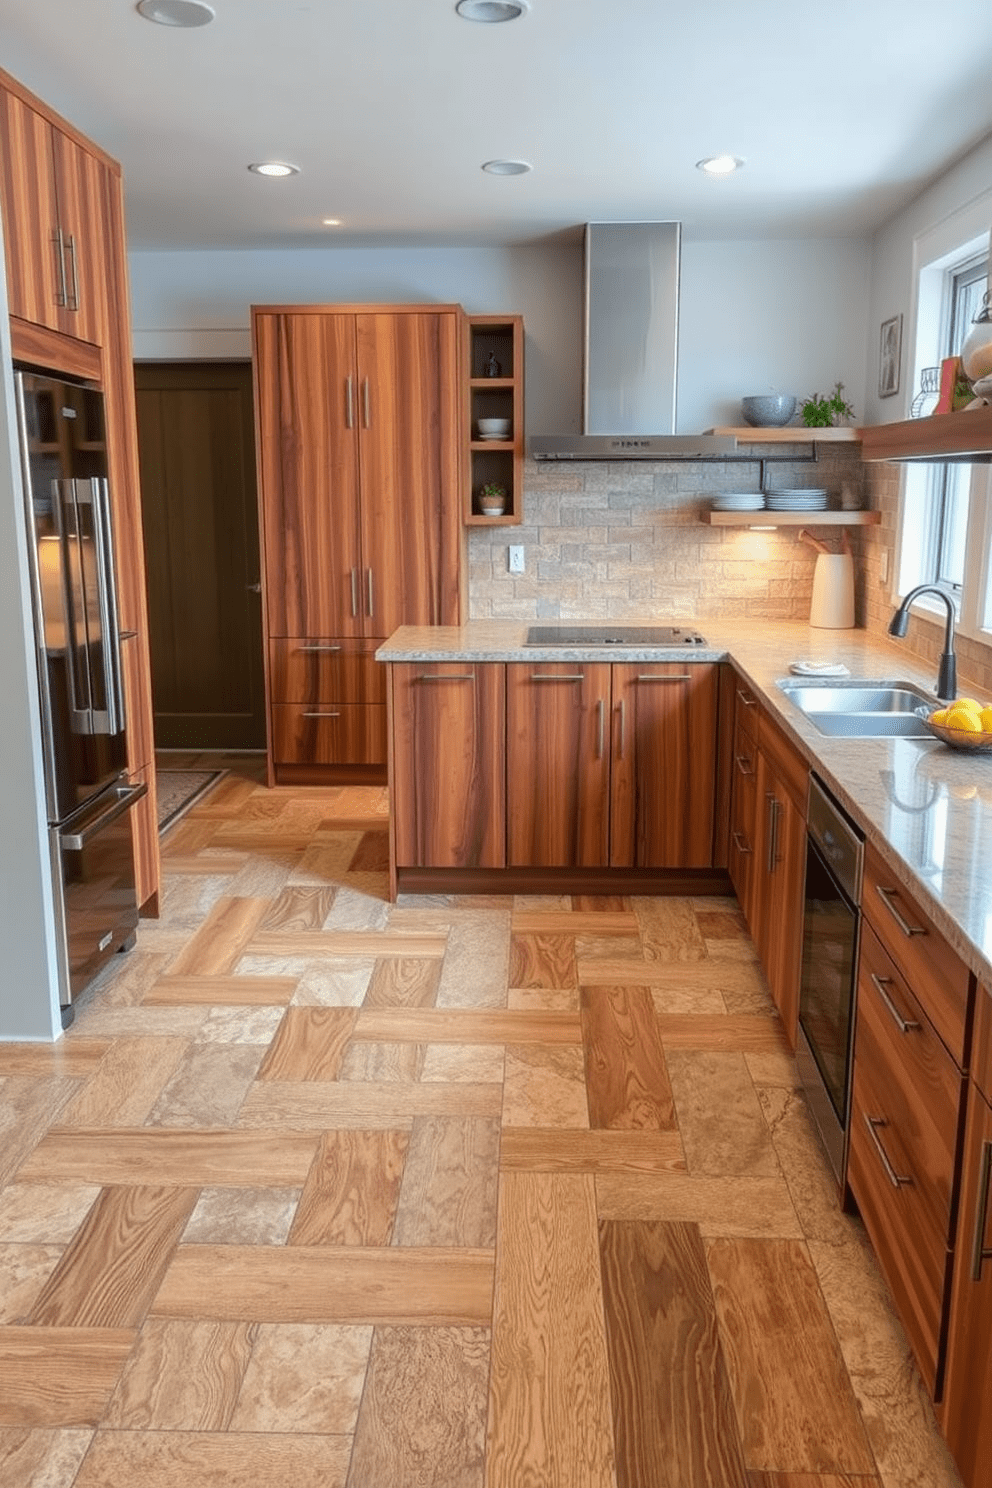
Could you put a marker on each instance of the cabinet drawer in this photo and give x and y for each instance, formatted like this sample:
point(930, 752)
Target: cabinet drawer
point(939, 979)
point(325, 671)
point(789, 769)
point(338, 734)
point(981, 1049)
point(745, 710)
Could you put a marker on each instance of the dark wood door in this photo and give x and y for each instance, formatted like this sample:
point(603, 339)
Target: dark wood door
point(407, 409)
point(967, 1418)
point(664, 765)
point(307, 408)
point(196, 449)
point(449, 765)
point(558, 765)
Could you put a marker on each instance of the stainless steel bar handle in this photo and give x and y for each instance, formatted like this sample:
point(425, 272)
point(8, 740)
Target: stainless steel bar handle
point(674, 677)
point(74, 605)
point(125, 797)
point(318, 648)
point(61, 290)
point(371, 594)
point(873, 1123)
point(887, 896)
point(980, 1251)
point(904, 1025)
point(622, 705)
point(349, 404)
point(600, 728)
point(320, 715)
point(446, 677)
point(740, 844)
point(111, 648)
point(366, 405)
point(354, 592)
point(72, 300)
point(557, 676)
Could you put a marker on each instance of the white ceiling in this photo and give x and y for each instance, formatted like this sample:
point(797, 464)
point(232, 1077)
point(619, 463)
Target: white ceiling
point(842, 109)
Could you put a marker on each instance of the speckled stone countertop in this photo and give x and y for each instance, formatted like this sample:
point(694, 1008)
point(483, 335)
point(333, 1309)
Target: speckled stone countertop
point(926, 808)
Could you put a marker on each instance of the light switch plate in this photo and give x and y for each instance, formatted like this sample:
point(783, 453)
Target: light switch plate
point(516, 558)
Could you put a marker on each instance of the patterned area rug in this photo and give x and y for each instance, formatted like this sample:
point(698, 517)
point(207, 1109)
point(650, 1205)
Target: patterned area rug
point(178, 790)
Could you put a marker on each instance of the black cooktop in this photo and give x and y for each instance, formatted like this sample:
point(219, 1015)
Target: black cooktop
point(608, 634)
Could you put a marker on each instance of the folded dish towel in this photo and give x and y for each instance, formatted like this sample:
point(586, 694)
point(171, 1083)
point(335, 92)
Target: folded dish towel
point(820, 669)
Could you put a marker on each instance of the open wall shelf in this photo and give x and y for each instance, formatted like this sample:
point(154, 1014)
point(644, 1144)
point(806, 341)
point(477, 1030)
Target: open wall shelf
point(494, 341)
point(762, 518)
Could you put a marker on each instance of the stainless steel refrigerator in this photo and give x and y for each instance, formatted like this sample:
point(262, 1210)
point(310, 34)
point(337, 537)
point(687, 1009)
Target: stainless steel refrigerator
point(84, 741)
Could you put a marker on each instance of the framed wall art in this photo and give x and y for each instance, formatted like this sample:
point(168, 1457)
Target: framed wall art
point(889, 356)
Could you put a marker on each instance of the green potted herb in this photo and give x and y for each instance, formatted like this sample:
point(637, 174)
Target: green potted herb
point(492, 499)
point(826, 413)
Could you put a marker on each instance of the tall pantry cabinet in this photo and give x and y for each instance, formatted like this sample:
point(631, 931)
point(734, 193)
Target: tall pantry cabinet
point(360, 476)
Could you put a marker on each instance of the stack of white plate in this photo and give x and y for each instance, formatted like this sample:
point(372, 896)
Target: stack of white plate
point(799, 501)
point(739, 501)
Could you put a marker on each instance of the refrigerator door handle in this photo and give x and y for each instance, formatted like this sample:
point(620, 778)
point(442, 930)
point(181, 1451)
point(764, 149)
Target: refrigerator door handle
point(96, 494)
point(125, 796)
point(73, 605)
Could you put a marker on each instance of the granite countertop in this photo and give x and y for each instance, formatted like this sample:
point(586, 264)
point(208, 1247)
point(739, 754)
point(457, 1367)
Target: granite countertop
point(926, 808)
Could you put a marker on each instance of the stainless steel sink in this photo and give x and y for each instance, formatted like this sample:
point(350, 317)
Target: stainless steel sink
point(857, 709)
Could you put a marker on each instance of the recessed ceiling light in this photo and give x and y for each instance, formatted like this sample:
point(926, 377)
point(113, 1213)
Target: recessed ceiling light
point(719, 165)
point(177, 12)
point(331, 221)
point(492, 11)
point(507, 167)
point(274, 168)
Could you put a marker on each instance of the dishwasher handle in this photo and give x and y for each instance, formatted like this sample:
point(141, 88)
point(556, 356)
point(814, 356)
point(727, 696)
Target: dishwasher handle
point(125, 796)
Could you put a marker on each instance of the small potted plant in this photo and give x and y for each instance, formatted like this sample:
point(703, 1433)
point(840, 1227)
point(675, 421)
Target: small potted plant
point(492, 499)
point(827, 413)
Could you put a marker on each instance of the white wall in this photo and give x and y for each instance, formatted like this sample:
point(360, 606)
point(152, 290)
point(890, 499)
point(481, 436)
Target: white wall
point(789, 314)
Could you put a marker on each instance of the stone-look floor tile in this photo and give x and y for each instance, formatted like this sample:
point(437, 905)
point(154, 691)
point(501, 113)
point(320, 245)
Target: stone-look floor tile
point(187, 898)
point(122, 983)
point(749, 993)
point(448, 1192)
point(423, 1413)
point(182, 1376)
point(239, 1025)
point(242, 1216)
point(341, 981)
point(354, 910)
point(44, 1213)
point(895, 1407)
point(544, 1086)
point(773, 1070)
point(804, 1163)
point(669, 931)
point(475, 963)
point(304, 1377)
point(724, 923)
point(143, 1022)
point(557, 999)
point(732, 950)
point(381, 1061)
point(687, 999)
point(263, 876)
point(127, 1084)
point(209, 1086)
point(724, 1132)
point(28, 1107)
point(24, 1269)
point(208, 1459)
point(41, 1459)
point(475, 1064)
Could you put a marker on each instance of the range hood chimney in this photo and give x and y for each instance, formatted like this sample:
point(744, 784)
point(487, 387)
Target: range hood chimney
point(631, 344)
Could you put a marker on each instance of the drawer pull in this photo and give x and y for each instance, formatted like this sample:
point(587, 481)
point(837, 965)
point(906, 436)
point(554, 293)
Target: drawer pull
point(774, 811)
point(557, 676)
point(898, 1180)
point(674, 677)
point(749, 702)
point(354, 593)
point(904, 1025)
point(980, 1253)
point(600, 728)
point(740, 844)
point(446, 677)
point(887, 896)
point(744, 764)
point(318, 648)
point(321, 715)
point(623, 728)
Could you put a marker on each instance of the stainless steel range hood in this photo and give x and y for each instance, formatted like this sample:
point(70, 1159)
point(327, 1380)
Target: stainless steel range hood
point(631, 344)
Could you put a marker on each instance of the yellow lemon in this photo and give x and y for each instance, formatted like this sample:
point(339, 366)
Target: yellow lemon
point(967, 703)
point(964, 719)
point(986, 720)
point(939, 718)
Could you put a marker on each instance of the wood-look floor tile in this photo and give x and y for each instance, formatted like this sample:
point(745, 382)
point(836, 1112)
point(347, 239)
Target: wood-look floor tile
point(480, 1064)
point(217, 946)
point(549, 1417)
point(266, 873)
point(346, 943)
point(626, 1077)
point(242, 1216)
point(544, 1086)
point(669, 931)
point(299, 908)
point(222, 864)
point(143, 1022)
point(673, 1414)
point(423, 1412)
point(468, 1026)
point(809, 1480)
point(182, 1376)
point(127, 1084)
point(542, 961)
point(531, 1149)
point(72, 1057)
point(203, 1158)
point(720, 1206)
point(304, 1378)
point(448, 1193)
point(403, 981)
point(41, 1458)
point(325, 862)
point(51, 1376)
point(187, 838)
point(723, 1127)
point(529, 999)
point(575, 922)
point(314, 1105)
point(163, 1459)
point(352, 1189)
point(236, 991)
point(335, 981)
point(737, 1033)
point(721, 924)
point(44, 1213)
point(601, 903)
point(208, 1086)
point(110, 1272)
point(371, 854)
point(309, 1045)
point(365, 1060)
point(782, 1353)
point(24, 1270)
point(28, 1107)
point(328, 1284)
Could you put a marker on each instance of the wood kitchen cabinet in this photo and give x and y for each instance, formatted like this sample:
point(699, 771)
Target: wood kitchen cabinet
point(744, 800)
point(778, 867)
point(357, 413)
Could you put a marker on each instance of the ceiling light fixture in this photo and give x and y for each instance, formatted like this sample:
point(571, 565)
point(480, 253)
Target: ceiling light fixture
point(330, 221)
point(719, 165)
point(492, 11)
point(507, 167)
point(274, 168)
point(177, 12)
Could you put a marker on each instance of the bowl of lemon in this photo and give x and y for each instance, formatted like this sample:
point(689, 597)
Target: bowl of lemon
point(963, 724)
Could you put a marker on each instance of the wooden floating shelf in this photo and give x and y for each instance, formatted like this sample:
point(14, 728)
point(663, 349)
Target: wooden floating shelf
point(790, 434)
point(940, 436)
point(763, 518)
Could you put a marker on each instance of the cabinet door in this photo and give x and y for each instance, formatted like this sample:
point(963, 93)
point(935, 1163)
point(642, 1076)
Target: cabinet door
point(80, 190)
point(557, 767)
point(307, 411)
point(967, 1420)
point(407, 404)
point(742, 864)
point(779, 865)
point(449, 765)
point(35, 270)
point(664, 765)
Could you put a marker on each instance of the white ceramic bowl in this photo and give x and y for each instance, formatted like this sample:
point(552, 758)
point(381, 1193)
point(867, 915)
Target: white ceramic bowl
point(493, 428)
